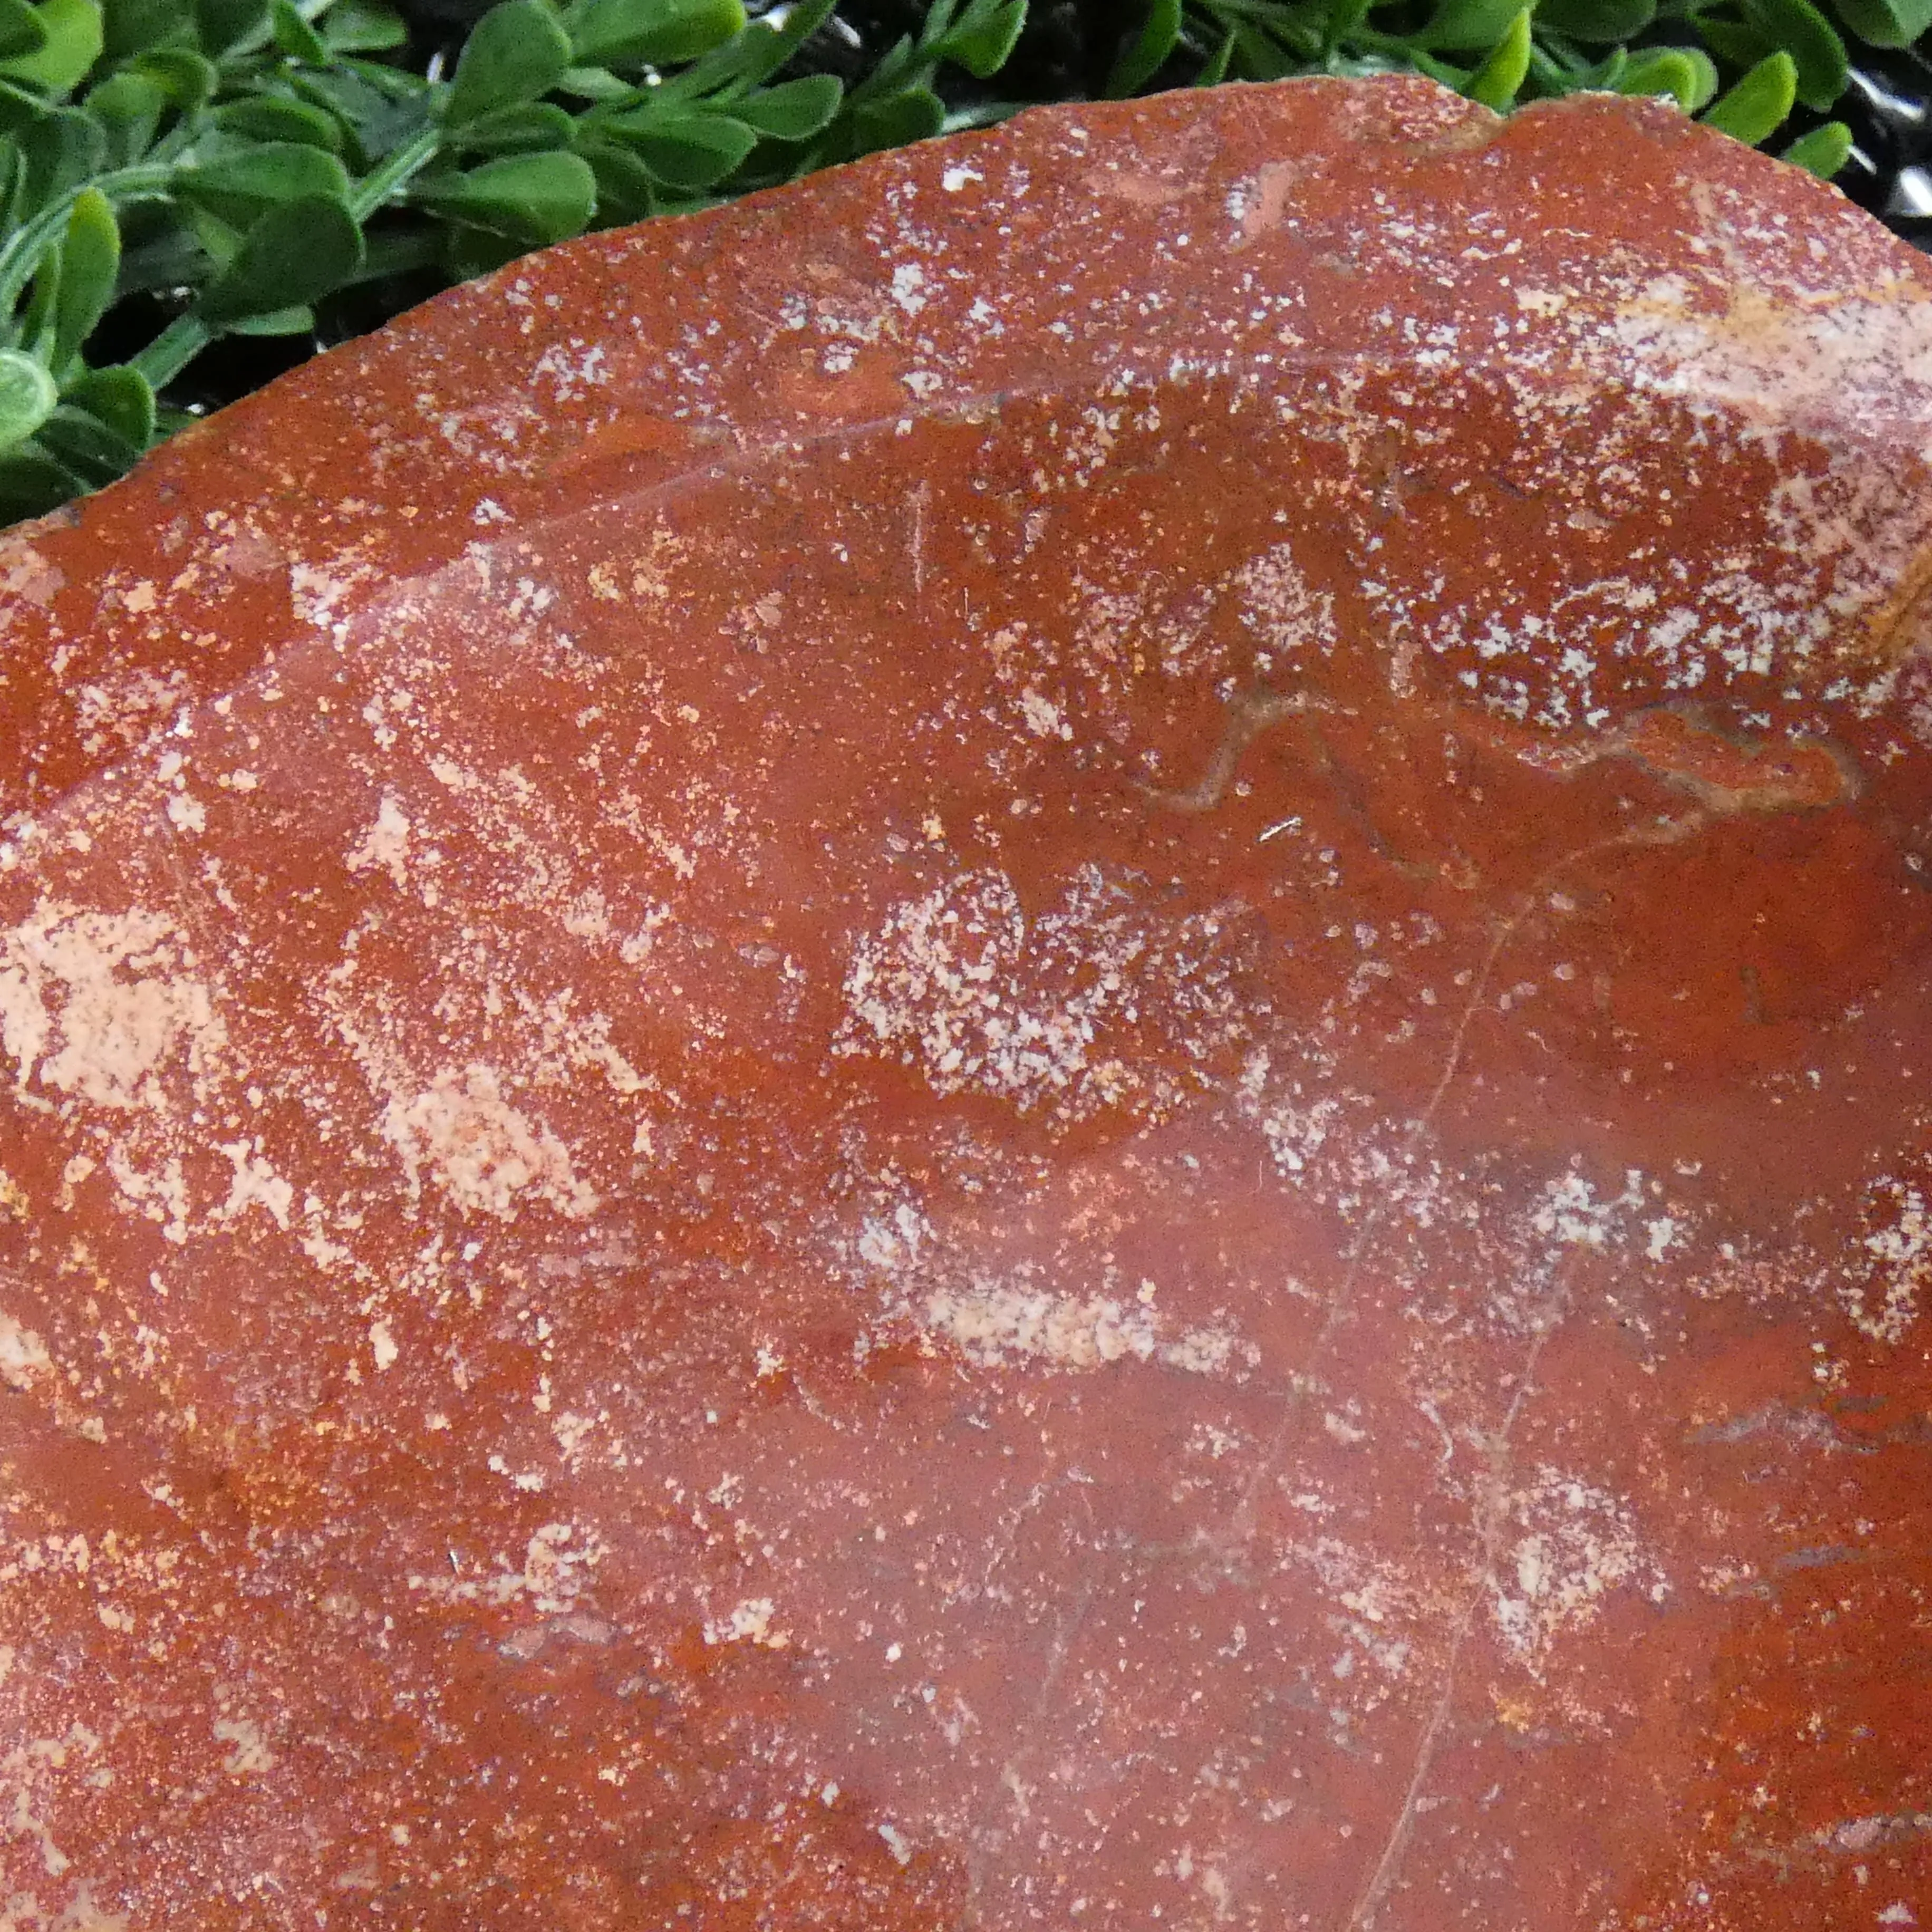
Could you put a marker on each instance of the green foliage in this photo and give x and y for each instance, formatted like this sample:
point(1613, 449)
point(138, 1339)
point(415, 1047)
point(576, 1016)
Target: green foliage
point(1822, 152)
point(1498, 53)
point(246, 164)
point(1755, 108)
point(1499, 79)
point(1886, 23)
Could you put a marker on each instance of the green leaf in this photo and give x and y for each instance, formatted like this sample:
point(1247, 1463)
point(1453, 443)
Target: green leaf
point(90, 261)
point(363, 26)
point(1886, 23)
point(626, 189)
point(295, 252)
point(534, 199)
point(299, 320)
point(750, 57)
point(181, 74)
point(1216, 71)
point(1755, 108)
point(593, 83)
point(531, 125)
point(237, 187)
point(258, 118)
point(73, 46)
point(19, 109)
point(135, 26)
point(1468, 26)
point(33, 328)
point(22, 30)
point(1496, 82)
point(1143, 57)
point(516, 52)
point(223, 22)
point(984, 36)
point(32, 483)
point(1812, 42)
point(659, 33)
point(61, 150)
point(295, 36)
point(96, 452)
point(128, 106)
point(691, 152)
point(470, 252)
point(793, 111)
point(27, 396)
point(1685, 72)
point(374, 122)
point(122, 398)
point(913, 114)
point(1739, 43)
point(1822, 152)
point(1596, 20)
point(1262, 56)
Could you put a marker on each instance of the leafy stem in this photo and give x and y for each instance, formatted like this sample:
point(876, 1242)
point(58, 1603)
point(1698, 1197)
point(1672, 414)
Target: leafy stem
point(21, 252)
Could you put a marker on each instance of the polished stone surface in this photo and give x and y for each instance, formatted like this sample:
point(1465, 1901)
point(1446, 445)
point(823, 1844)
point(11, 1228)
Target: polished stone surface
point(1040, 1039)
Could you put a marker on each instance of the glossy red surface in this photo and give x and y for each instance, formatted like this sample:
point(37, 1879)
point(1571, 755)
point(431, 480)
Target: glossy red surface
point(1039, 1040)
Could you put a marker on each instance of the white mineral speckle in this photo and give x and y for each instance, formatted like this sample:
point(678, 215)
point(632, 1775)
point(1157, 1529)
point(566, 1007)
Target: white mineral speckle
point(382, 1345)
point(485, 1153)
point(106, 985)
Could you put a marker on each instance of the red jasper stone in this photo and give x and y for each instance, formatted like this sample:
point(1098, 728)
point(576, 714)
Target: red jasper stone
point(1038, 1040)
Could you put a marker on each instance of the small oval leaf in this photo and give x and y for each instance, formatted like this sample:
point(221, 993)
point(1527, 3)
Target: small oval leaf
point(222, 23)
point(531, 126)
point(137, 26)
point(121, 396)
point(1495, 83)
point(795, 110)
point(516, 52)
point(60, 150)
point(90, 261)
point(73, 46)
point(1141, 58)
point(22, 31)
point(534, 199)
point(626, 189)
point(1468, 26)
point(32, 483)
point(238, 186)
point(1886, 23)
point(28, 395)
point(982, 40)
point(363, 27)
point(276, 117)
point(1596, 20)
point(1812, 42)
point(1755, 108)
point(661, 33)
point(295, 252)
point(1686, 74)
point(96, 452)
point(181, 74)
point(913, 114)
point(129, 107)
point(295, 36)
point(691, 152)
point(1822, 152)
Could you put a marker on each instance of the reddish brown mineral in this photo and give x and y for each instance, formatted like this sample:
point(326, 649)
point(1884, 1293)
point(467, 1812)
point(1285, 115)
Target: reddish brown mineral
point(1039, 1040)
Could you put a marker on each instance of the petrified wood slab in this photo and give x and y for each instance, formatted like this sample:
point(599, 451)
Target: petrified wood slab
point(1040, 1039)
